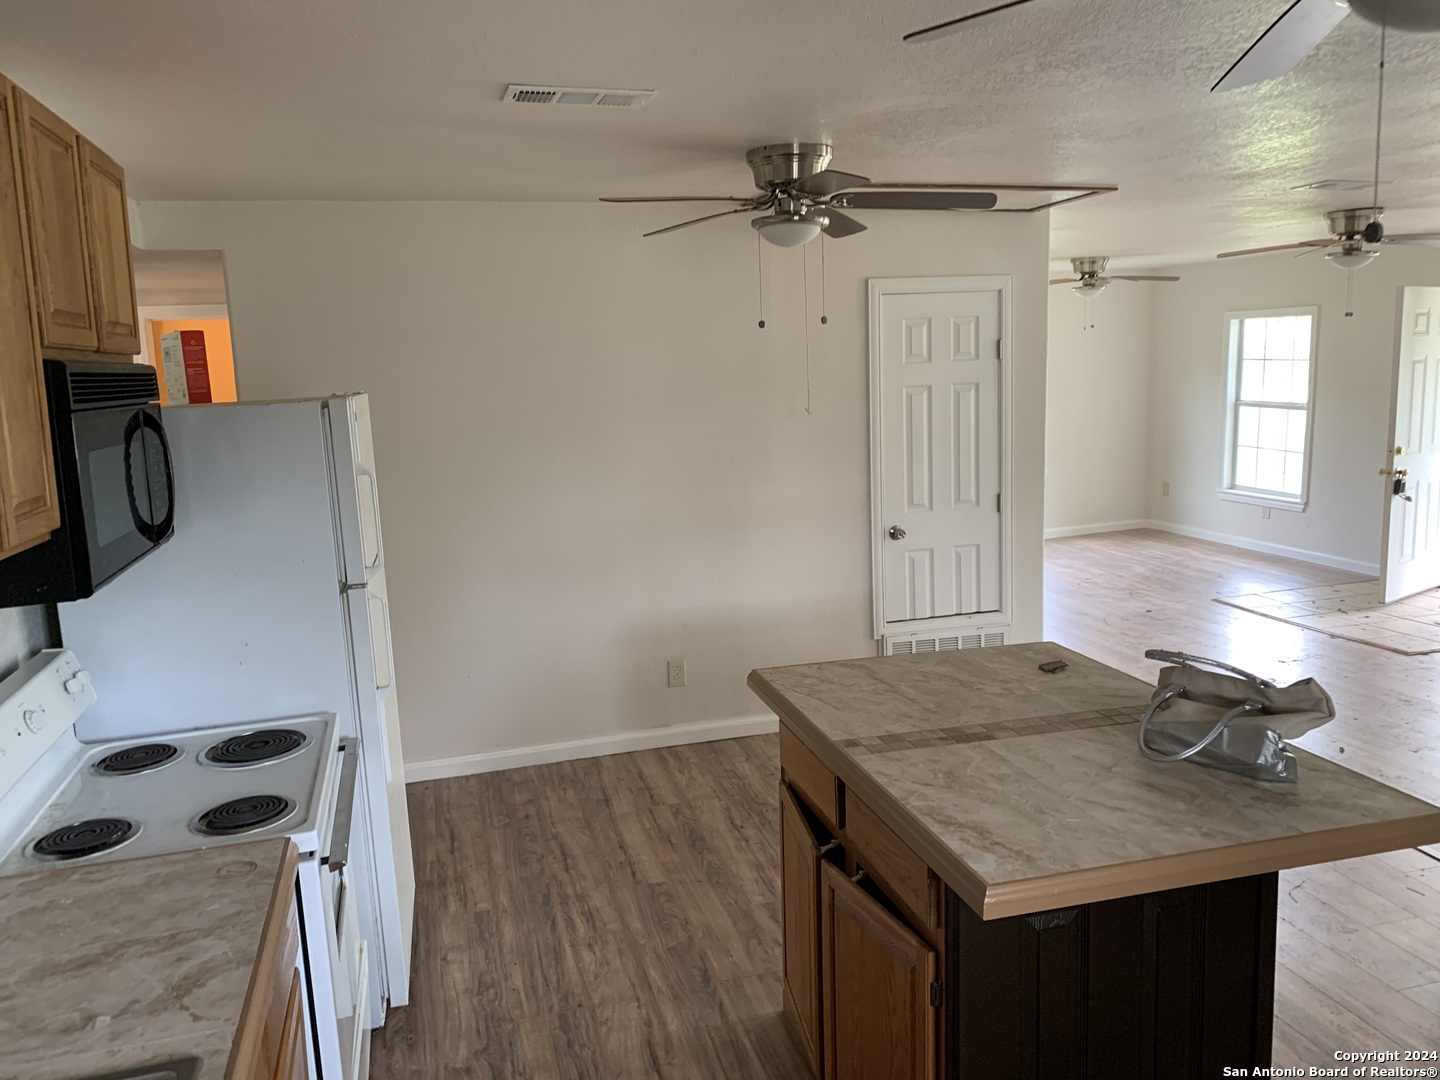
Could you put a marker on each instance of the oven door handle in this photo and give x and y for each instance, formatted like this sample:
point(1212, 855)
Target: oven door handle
point(338, 854)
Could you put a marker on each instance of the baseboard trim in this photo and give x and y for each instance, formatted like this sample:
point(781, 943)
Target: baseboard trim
point(622, 742)
point(1284, 551)
point(1090, 530)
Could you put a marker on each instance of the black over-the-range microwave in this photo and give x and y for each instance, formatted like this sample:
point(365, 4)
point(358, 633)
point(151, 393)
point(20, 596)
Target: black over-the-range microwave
point(115, 479)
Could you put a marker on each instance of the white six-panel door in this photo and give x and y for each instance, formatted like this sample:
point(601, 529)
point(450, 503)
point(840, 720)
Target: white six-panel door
point(1411, 551)
point(939, 467)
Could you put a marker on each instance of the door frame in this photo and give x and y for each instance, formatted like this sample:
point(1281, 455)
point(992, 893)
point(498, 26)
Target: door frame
point(880, 288)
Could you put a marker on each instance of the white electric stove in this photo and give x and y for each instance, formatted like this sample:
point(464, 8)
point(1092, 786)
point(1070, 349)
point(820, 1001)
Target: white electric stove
point(64, 803)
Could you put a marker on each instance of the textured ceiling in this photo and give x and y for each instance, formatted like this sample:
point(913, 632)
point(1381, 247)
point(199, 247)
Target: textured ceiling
point(371, 99)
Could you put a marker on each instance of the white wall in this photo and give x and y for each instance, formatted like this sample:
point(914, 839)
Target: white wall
point(1097, 432)
point(23, 633)
point(591, 458)
point(1354, 363)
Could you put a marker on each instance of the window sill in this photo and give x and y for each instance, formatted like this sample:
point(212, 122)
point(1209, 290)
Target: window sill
point(1255, 498)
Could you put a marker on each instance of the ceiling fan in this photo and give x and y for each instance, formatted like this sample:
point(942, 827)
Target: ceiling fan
point(1356, 235)
point(1090, 278)
point(1306, 23)
point(800, 196)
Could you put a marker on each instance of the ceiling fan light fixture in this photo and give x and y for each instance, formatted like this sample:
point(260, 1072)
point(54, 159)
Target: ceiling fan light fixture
point(789, 230)
point(1422, 16)
point(1090, 288)
point(1351, 260)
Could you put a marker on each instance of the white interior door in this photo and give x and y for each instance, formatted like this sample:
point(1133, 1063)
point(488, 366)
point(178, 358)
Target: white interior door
point(939, 453)
point(1410, 560)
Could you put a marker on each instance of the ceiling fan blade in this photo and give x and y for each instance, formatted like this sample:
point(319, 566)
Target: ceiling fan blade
point(920, 200)
point(829, 181)
point(1289, 40)
point(1063, 280)
point(674, 198)
point(1140, 277)
point(944, 29)
point(841, 225)
point(1277, 247)
point(1412, 238)
point(698, 220)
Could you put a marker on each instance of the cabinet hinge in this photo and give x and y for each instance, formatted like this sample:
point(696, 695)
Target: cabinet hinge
point(997, 502)
point(999, 352)
point(935, 992)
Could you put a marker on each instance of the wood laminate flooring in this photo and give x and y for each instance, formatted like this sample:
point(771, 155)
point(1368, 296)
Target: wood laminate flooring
point(618, 918)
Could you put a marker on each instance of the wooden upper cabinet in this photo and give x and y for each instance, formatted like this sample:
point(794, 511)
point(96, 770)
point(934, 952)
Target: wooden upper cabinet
point(29, 510)
point(50, 159)
point(112, 274)
point(879, 1021)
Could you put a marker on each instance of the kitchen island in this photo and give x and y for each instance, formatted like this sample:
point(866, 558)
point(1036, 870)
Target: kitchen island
point(983, 877)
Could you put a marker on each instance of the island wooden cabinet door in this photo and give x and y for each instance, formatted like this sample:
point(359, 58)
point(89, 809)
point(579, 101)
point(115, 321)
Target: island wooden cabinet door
point(878, 1019)
point(292, 1063)
point(112, 274)
point(29, 510)
point(800, 859)
point(54, 197)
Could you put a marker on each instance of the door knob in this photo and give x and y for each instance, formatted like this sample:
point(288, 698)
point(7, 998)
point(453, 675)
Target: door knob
point(896, 532)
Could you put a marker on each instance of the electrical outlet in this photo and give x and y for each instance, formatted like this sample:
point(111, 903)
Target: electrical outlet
point(1165, 488)
point(675, 671)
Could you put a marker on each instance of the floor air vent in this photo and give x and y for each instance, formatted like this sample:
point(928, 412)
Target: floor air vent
point(576, 95)
point(909, 644)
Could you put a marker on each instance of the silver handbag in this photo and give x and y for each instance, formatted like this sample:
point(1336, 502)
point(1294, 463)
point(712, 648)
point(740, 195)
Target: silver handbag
point(1226, 718)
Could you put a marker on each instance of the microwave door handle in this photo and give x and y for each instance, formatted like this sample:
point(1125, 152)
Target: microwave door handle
point(168, 522)
point(338, 854)
point(374, 486)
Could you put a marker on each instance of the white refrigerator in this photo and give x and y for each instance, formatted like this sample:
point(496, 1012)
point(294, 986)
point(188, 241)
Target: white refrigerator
point(269, 601)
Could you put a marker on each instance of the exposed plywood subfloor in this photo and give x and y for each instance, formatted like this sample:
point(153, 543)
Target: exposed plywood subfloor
point(619, 917)
point(1355, 612)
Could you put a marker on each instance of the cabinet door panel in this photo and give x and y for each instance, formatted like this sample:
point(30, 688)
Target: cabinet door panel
point(50, 158)
point(800, 923)
point(112, 275)
point(293, 1063)
point(878, 1021)
point(29, 510)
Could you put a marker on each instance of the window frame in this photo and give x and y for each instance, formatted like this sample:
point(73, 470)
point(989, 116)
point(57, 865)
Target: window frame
point(1234, 321)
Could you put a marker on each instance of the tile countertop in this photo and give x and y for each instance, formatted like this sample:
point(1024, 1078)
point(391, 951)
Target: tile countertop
point(1026, 792)
point(163, 947)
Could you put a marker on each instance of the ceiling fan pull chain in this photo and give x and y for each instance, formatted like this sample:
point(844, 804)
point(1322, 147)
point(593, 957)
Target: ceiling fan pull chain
point(824, 319)
point(760, 276)
point(1350, 293)
point(805, 277)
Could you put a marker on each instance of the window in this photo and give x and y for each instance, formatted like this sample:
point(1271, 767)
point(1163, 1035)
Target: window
point(1271, 386)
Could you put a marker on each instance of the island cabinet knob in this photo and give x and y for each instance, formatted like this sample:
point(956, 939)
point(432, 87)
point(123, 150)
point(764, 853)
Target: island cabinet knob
point(896, 532)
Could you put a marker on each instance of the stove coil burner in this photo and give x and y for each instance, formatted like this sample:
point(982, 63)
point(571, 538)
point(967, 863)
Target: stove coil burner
point(84, 838)
point(137, 759)
point(243, 815)
point(256, 747)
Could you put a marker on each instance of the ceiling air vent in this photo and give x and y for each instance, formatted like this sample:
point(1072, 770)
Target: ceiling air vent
point(576, 95)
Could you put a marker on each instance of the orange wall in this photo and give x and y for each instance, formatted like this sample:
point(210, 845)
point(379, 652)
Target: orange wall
point(218, 353)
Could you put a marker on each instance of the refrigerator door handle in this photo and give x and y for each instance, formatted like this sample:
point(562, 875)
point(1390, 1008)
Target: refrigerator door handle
point(389, 642)
point(374, 484)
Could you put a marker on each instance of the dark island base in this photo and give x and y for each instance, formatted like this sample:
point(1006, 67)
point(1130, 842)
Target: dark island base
point(1171, 985)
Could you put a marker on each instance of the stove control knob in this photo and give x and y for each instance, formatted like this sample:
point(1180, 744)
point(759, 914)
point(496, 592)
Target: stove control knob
point(35, 719)
point(78, 683)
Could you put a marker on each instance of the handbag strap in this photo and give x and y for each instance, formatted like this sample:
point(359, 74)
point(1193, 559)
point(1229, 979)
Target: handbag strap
point(1165, 656)
point(1175, 690)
